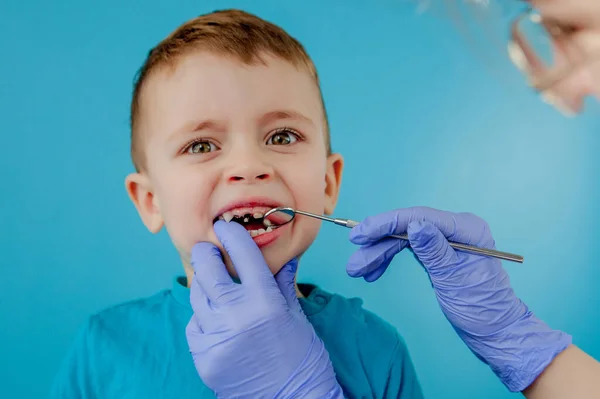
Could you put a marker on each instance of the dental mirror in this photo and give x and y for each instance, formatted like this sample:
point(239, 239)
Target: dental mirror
point(278, 217)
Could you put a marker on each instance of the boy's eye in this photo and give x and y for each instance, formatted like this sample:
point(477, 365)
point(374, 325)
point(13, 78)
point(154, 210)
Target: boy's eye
point(201, 147)
point(283, 137)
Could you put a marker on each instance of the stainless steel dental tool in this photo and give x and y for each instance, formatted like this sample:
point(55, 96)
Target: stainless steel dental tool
point(280, 216)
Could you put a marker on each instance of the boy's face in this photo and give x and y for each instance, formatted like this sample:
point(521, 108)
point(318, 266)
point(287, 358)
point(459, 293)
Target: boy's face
point(224, 136)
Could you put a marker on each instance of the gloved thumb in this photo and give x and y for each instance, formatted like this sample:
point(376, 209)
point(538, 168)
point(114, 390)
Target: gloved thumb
point(431, 246)
point(286, 281)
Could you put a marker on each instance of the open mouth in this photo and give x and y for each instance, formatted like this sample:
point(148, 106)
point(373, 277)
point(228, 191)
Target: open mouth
point(252, 218)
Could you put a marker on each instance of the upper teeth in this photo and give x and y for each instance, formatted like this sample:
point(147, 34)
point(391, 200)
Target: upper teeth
point(257, 212)
point(227, 216)
point(246, 213)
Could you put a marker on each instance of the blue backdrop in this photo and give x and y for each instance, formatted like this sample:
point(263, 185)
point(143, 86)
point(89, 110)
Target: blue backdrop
point(417, 115)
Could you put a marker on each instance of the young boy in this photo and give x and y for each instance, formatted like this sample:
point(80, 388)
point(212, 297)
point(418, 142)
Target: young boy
point(228, 120)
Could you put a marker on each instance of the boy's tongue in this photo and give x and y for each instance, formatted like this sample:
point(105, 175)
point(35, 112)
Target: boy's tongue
point(253, 225)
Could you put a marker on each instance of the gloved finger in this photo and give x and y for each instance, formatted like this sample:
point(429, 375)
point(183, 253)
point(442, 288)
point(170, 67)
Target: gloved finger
point(431, 247)
point(465, 228)
point(193, 330)
point(197, 342)
point(201, 305)
point(374, 257)
point(244, 253)
point(286, 281)
point(375, 274)
point(210, 271)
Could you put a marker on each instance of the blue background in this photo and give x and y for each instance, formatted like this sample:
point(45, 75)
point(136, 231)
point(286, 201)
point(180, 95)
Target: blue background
point(420, 119)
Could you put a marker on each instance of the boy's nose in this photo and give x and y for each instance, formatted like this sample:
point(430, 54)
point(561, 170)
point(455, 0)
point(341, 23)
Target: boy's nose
point(249, 177)
point(250, 172)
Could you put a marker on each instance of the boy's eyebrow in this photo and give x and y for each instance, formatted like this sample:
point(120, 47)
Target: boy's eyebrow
point(284, 114)
point(194, 127)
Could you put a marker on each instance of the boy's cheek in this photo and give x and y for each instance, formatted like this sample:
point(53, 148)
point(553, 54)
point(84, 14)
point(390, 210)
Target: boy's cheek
point(185, 239)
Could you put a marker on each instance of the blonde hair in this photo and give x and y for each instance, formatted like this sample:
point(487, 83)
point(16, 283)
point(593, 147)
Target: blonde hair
point(226, 32)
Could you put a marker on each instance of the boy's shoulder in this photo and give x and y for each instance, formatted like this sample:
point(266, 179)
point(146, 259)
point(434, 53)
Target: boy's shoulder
point(127, 329)
point(136, 318)
point(131, 341)
point(147, 305)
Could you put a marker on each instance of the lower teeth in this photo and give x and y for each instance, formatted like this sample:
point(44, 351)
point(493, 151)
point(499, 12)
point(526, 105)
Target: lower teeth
point(258, 232)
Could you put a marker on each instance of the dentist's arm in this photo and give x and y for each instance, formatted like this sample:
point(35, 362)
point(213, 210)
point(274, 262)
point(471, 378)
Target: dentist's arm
point(573, 374)
point(475, 295)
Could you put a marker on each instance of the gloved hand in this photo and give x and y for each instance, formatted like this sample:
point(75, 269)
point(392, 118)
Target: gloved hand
point(252, 340)
point(473, 291)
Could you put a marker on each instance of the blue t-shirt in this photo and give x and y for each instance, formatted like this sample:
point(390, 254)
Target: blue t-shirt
point(139, 350)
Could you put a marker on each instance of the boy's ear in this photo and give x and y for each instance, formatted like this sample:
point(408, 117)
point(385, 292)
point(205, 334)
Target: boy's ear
point(333, 180)
point(142, 195)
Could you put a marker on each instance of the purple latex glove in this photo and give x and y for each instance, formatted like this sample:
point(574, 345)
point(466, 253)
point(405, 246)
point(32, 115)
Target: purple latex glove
point(252, 340)
point(473, 291)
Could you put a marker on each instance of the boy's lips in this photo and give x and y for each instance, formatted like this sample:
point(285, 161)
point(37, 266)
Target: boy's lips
point(269, 237)
point(249, 213)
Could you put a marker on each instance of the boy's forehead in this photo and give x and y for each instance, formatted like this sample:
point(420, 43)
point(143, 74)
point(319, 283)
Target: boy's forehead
point(206, 85)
